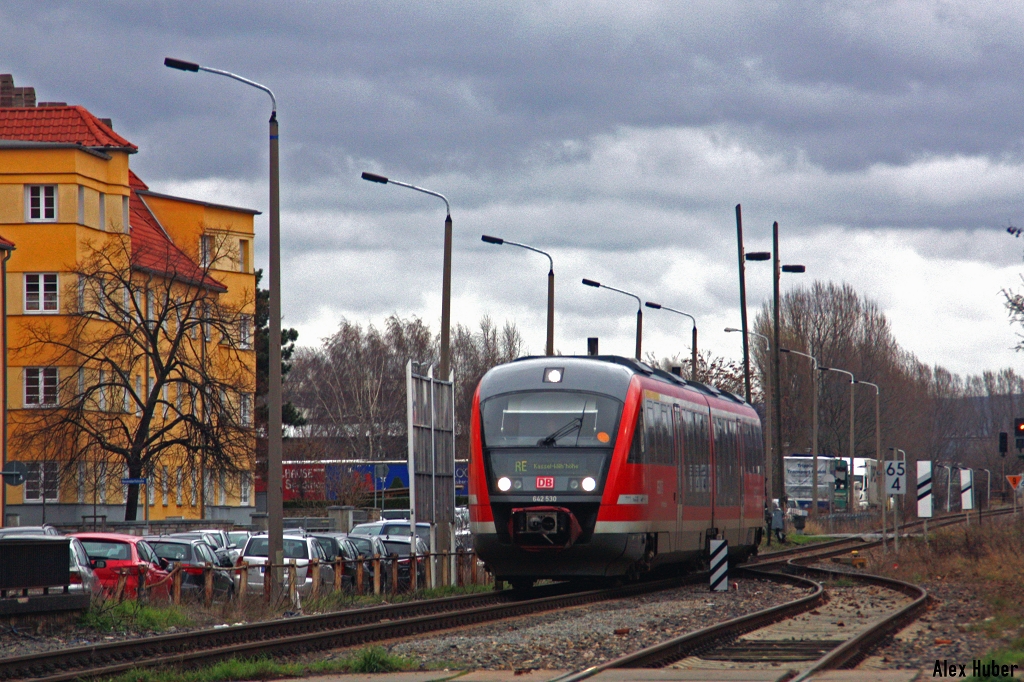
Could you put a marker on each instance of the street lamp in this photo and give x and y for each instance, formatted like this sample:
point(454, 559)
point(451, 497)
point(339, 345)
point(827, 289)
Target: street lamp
point(878, 450)
point(446, 282)
point(814, 424)
point(693, 358)
point(777, 268)
point(275, 474)
point(550, 349)
point(849, 485)
point(639, 310)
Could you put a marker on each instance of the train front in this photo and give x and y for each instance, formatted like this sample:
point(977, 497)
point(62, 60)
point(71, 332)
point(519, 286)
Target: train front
point(543, 435)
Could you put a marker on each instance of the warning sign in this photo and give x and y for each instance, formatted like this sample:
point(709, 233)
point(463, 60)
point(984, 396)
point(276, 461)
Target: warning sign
point(1014, 480)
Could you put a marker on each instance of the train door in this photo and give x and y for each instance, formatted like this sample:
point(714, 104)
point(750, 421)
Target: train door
point(679, 431)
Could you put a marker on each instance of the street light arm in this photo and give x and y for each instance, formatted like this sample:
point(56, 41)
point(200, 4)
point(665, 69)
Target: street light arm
point(868, 383)
point(767, 341)
point(680, 312)
point(190, 66)
point(806, 355)
point(551, 262)
point(447, 206)
point(841, 371)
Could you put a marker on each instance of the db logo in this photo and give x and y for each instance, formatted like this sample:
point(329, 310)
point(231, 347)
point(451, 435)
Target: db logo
point(545, 483)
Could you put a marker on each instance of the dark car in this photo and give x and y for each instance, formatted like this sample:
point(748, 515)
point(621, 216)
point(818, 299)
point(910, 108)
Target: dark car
point(400, 549)
point(337, 545)
point(224, 555)
point(29, 530)
point(371, 546)
point(192, 556)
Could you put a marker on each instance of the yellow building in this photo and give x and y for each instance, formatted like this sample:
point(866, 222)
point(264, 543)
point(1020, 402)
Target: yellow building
point(88, 365)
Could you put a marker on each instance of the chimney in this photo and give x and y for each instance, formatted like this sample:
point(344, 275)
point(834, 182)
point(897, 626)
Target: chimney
point(109, 122)
point(11, 96)
point(592, 345)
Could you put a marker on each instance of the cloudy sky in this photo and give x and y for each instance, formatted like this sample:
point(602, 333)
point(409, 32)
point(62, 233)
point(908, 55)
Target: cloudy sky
point(885, 138)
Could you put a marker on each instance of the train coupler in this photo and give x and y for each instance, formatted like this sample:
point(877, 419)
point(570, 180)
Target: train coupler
point(543, 528)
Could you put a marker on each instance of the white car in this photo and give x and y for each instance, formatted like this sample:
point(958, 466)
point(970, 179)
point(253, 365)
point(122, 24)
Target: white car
point(298, 549)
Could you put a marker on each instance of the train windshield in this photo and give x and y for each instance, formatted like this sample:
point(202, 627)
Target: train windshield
point(550, 419)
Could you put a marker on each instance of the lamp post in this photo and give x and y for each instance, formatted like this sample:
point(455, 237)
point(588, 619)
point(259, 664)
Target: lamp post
point(446, 282)
point(779, 486)
point(550, 347)
point(275, 474)
point(988, 492)
point(769, 464)
point(849, 485)
point(896, 508)
point(639, 310)
point(814, 425)
point(693, 355)
point(743, 300)
point(878, 450)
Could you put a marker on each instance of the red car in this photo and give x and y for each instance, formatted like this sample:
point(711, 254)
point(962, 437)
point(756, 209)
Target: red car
point(113, 554)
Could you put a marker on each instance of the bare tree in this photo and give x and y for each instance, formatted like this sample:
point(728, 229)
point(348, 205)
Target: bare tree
point(150, 363)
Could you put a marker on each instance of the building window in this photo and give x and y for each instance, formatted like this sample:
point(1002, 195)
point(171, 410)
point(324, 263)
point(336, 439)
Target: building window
point(223, 498)
point(81, 205)
point(164, 476)
point(194, 499)
point(124, 215)
point(41, 292)
point(243, 255)
point(245, 409)
point(151, 488)
point(82, 474)
point(244, 490)
point(208, 488)
point(245, 332)
point(101, 392)
point(177, 487)
point(103, 211)
point(206, 251)
point(41, 386)
point(42, 203)
point(41, 476)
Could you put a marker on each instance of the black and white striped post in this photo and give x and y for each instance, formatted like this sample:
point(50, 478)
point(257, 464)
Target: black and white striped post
point(924, 493)
point(719, 566)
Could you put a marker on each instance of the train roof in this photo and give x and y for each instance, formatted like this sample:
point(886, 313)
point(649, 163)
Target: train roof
point(606, 371)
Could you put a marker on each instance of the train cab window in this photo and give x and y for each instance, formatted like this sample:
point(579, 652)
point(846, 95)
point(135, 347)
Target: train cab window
point(550, 419)
point(636, 449)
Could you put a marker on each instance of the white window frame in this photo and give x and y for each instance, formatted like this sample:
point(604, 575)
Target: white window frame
point(42, 281)
point(42, 212)
point(125, 225)
point(38, 378)
point(194, 498)
point(222, 497)
point(51, 470)
point(245, 332)
point(81, 205)
point(178, 482)
point(101, 400)
point(206, 249)
point(103, 211)
point(164, 481)
point(244, 489)
point(245, 409)
point(243, 255)
point(83, 474)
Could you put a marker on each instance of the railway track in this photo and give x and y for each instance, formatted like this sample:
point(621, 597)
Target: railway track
point(361, 626)
point(310, 633)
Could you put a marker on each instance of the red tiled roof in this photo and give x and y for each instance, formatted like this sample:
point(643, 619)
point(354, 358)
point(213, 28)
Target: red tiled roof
point(153, 250)
point(68, 125)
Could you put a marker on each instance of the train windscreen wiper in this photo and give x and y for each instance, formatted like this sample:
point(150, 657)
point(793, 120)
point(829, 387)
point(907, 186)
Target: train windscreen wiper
point(574, 425)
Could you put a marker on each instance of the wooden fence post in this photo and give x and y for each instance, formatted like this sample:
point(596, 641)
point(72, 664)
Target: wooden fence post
point(414, 569)
point(430, 560)
point(208, 585)
point(394, 574)
point(243, 582)
point(315, 564)
point(376, 573)
point(176, 594)
point(339, 571)
point(445, 570)
point(360, 575)
point(268, 580)
point(292, 578)
point(473, 567)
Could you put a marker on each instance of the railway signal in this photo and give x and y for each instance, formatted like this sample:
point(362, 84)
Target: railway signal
point(1018, 432)
point(1003, 443)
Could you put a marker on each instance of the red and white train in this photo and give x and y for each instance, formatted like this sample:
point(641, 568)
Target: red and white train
point(594, 467)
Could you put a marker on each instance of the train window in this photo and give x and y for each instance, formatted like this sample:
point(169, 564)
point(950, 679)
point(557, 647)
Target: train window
point(550, 419)
point(727, 469)
point(696, 458)
point(636, 449)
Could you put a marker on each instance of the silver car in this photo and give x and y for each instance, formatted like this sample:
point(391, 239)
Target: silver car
point(83, 579)
point(298, 549)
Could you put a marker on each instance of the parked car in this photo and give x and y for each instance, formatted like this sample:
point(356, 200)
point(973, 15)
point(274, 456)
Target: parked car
point(113, 553)
point(298, 549)
point(394, 528)
point(238, 538)
point(399, 548)
point(223, 542)
point(224, 558)
point(192, 556)
point(29, 530)
point(337, 544)
point(83, 578)
point(372, 546)
point(463, 536)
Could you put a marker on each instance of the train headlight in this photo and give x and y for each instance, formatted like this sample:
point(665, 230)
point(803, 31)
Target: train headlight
point(504, 484)
point(589, 484)
point(574, 484)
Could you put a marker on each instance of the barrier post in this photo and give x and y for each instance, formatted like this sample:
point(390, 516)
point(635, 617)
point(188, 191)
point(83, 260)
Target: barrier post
point(429, 562)
point(176, 589)
point(376, 574)
point(122, 578)
point(292, 579)
point(394, 574)
point(414, 569)
point(445, 571)
point(243, 582)
point(473, 567)
point(268, 580)
point(339, 571)
point(315, 569)
point(207, 584)
point(360, 577)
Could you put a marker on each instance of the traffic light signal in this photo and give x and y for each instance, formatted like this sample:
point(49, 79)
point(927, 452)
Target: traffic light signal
point(1003, 443)
point(1018, 432)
